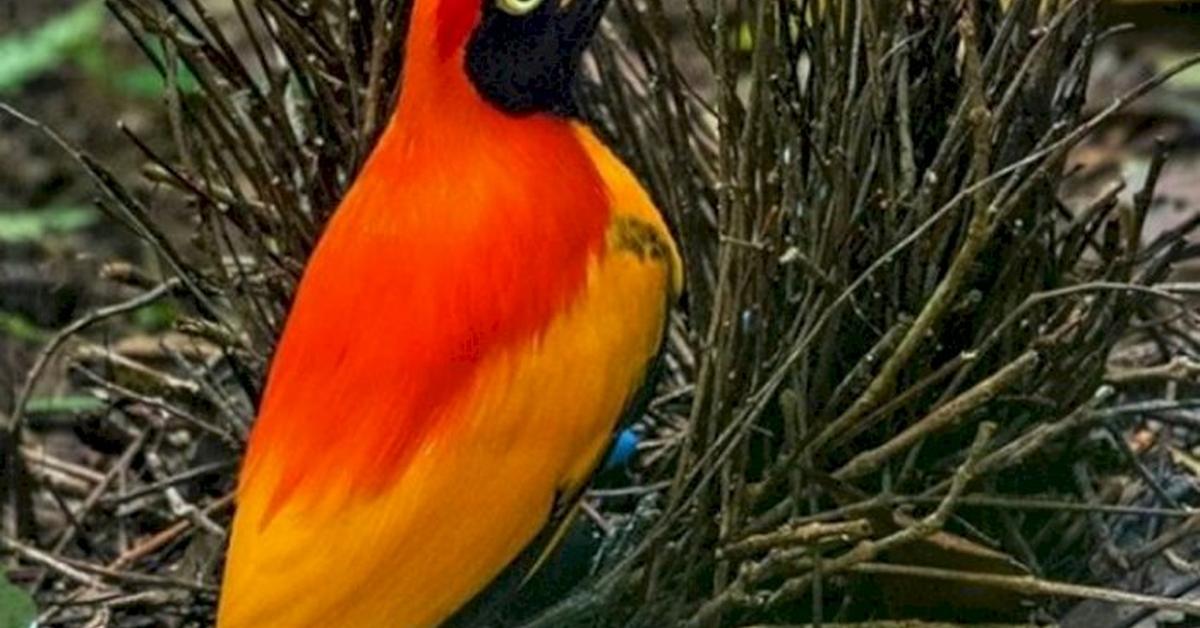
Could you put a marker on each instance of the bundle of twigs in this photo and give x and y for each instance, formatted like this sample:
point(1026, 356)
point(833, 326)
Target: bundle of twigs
point(894, 345)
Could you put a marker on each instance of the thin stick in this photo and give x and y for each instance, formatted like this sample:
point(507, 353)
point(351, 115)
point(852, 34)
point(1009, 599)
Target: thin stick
point(1031, 585)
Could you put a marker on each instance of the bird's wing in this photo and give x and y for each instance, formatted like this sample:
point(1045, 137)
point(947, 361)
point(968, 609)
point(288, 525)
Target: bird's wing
point(487, 605)
point(529, 424)
point(637, 229)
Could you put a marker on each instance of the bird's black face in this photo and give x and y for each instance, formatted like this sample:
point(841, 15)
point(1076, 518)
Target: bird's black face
point(525, 54)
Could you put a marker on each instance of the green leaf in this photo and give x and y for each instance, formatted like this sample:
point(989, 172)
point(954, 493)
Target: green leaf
point(1187, 80)
point(145, 81)
point(32, 225)
point(741, 37)
point(69, 404)
point(16, 607)
point(24, 56)
point(156, 317)
point(16, 326)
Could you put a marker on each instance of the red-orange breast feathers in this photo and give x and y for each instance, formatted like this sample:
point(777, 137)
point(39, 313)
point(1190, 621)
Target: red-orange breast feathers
point(476, 316)
point(428, 266)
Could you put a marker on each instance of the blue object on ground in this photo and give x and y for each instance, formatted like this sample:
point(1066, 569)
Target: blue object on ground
point(623, 449)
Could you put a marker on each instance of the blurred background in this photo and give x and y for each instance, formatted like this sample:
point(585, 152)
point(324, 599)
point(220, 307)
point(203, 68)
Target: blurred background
point(71, 66)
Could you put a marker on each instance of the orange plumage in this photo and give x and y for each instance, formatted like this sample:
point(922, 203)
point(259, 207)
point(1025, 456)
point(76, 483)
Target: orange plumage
point(479, 311)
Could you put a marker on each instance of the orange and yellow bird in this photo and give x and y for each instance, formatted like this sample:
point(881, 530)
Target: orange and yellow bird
point(481, 309)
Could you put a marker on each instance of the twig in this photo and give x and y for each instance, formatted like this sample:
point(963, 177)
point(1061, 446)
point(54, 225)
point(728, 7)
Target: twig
point(798, 535)
point(955, 410)
point(48, 560)
point(1031, 585)
point(81, 324)
point(158, 540)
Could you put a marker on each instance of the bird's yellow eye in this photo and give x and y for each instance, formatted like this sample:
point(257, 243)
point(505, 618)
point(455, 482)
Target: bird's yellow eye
point(517, 7)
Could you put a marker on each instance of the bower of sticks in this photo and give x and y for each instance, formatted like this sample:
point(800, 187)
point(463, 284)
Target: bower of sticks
point(913, 381)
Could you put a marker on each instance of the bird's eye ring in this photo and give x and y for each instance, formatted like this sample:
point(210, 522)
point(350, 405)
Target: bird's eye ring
point(517, 7)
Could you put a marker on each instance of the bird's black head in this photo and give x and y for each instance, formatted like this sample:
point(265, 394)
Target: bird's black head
point(524, 55)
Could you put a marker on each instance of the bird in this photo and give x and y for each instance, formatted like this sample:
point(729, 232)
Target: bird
point(486, 302)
